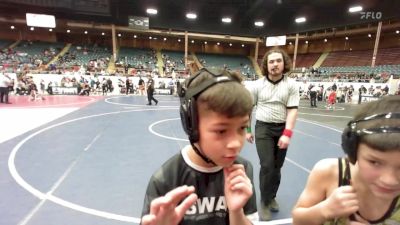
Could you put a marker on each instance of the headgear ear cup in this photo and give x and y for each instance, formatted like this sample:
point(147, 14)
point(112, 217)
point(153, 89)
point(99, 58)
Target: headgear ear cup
point(184, 118)
point(188, 113)
point(350, 144)
point(194, 134)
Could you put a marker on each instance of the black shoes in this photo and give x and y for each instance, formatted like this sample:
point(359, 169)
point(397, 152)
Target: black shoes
point(150, 103)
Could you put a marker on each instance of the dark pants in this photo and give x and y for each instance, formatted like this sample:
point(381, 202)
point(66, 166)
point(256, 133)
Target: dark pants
point(271, 158)
point(150, 97)
point(313, 98)
point(4, 94)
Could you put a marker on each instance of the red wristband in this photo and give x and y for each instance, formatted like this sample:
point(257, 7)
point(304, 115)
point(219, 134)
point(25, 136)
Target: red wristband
point(288, 133)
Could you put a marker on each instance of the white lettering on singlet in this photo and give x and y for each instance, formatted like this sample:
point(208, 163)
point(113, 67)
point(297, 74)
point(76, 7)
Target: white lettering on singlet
point(207, 205)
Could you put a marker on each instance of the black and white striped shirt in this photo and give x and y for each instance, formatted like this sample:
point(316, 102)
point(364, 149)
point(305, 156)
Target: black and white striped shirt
point(272, 99)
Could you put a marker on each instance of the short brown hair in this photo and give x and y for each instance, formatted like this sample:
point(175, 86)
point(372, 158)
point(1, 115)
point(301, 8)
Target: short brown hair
point(229, 98)
point(287, 62)
point(380, 141)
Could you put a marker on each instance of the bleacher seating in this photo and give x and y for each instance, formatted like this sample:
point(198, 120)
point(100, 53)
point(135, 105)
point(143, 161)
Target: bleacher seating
point(137, 58)
point(88, 56)
point(388, 56)
point(5, 43)
point(43, 51)
point(231, 62)
point(348, 58)
point(173, 59)
point(306, 60)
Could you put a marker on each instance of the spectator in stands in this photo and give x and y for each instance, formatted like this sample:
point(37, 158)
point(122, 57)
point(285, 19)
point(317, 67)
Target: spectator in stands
point(276, 97)
point(150, 90)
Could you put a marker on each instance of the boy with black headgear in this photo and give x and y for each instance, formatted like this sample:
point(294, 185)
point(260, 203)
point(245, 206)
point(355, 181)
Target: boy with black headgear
point(363, 188)
point(215, 109)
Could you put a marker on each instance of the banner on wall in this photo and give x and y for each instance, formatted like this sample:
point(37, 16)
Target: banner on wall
point(138, 22)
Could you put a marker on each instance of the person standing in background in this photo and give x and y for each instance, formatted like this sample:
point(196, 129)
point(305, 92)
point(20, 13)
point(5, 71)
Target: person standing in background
point(150, 90)
point(313, 96)
point(141, 85)
point(276, 97)
point(4, 83)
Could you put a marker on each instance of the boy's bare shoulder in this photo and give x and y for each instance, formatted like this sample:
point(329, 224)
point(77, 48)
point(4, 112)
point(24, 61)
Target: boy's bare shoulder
point(326, 168)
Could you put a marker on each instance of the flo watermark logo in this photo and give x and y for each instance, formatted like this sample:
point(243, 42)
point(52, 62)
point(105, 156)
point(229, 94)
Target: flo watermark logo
point(371, 15)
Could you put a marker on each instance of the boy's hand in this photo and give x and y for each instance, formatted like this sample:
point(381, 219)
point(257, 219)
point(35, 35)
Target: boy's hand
point(165, 209)
point(238, 187)
point(341, 203)
point(250, 138)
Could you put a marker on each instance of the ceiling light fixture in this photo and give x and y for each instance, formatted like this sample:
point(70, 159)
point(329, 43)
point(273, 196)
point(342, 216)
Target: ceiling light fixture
point(355, 9)
point(259, 23)
point(191, 16)
point(300, 20)
point(151, 11)
point(226, 20)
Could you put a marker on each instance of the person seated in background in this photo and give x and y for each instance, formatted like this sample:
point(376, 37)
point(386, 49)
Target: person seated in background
point(85, 89)
point(34, 93)
point(364, 187)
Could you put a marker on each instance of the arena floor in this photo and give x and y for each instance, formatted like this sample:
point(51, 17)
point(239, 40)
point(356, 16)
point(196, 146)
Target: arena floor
point(87, 160)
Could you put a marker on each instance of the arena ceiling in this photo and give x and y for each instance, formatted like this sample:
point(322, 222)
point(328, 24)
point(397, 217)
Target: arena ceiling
point(278, 15)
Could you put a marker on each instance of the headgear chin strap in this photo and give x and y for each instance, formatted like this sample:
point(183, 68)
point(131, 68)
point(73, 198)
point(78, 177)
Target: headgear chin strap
point(188, 108)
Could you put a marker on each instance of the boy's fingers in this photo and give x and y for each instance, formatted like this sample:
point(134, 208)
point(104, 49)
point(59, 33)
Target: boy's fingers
point(175, 196)
point(185, 205)
point(148, 219)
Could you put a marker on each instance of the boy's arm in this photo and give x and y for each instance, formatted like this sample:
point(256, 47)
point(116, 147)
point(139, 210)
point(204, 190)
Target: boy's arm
point(314, 206)
point(238, 218)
